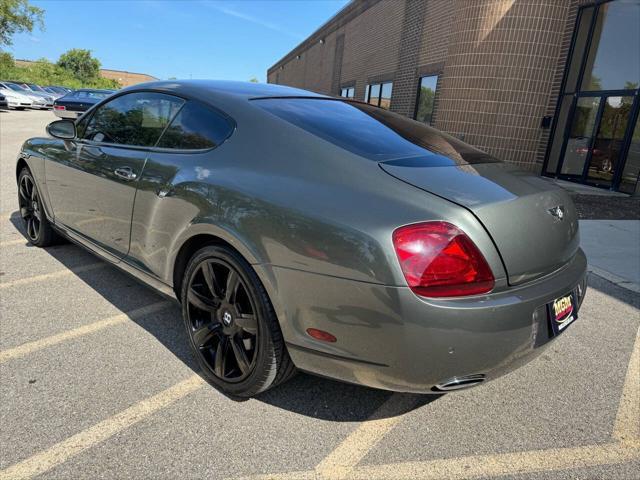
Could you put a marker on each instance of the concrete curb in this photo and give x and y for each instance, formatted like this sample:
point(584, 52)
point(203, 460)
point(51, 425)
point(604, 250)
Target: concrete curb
point(619, 281)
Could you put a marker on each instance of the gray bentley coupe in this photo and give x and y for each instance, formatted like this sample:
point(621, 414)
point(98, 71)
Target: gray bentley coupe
point(301, 231)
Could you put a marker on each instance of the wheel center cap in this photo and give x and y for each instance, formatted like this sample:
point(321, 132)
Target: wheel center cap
point(227, 318)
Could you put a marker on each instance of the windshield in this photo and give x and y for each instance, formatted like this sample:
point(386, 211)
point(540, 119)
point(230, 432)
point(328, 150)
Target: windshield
point(15, 87)
point(372, 132)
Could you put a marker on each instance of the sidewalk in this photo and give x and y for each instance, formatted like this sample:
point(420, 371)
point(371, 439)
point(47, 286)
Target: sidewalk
point(613, 250)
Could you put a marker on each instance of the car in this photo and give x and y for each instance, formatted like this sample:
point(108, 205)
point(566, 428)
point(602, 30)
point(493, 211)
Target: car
point(300, 231)
point(59, 89)
point(54, 93)
point(15, 100)
point(4, 104)
point(75, 103)
point(39, 100)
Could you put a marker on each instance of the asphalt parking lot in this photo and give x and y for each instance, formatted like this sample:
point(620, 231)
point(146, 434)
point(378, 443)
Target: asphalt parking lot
point(96, 382)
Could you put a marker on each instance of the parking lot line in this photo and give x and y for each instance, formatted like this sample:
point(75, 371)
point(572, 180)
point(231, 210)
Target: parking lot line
point(627, 426)
point(56, 274)
point(479, 466)
point(354, 448)
point(61, 452)
point(36, 345)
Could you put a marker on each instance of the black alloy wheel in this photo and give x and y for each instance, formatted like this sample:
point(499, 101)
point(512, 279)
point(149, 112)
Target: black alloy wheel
point(30, 210)
point(37, 226)
point(223, 320)
point(231, 324)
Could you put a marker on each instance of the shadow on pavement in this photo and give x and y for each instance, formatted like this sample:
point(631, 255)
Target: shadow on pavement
point(305, 394)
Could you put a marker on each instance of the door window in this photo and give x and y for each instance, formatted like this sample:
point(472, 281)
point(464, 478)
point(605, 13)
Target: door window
point(608, 143)
point(579, 142)
point(136, 119)
point(196, 127)
point(632, 167)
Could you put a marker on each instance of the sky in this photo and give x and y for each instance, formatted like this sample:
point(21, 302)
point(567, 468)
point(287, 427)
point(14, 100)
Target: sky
point(218, 39)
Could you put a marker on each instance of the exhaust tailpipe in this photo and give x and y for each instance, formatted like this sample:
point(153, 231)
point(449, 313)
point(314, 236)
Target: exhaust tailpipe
point(458, 383)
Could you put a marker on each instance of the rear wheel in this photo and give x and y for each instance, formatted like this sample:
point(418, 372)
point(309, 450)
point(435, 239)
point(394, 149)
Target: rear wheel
point(38, 228)
point(233, 330)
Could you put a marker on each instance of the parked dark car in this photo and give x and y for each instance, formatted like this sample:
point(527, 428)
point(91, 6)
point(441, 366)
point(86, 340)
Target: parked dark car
point(74, 104)
point(300, 231)
point(4, 104)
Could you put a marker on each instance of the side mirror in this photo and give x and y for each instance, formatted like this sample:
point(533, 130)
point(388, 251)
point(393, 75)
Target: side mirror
point(63, 129)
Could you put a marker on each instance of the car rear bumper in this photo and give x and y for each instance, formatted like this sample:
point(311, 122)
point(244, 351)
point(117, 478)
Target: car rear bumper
point(66, 113)
point(391, 339)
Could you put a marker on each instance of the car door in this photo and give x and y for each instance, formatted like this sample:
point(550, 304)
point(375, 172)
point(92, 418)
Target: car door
point(92, 189)
point(175, 183)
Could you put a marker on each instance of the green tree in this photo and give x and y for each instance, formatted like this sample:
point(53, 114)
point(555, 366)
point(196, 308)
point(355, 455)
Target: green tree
point(254, 80)
point(17, 16)
point(80, 64)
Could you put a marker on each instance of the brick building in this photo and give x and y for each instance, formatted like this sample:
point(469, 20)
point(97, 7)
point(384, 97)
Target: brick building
point(123, 77)
point(550, 85)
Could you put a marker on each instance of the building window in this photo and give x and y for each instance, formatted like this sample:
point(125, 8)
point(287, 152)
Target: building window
point(347, 92)
point(592, 140)
point(426, 99)
point(379, 94)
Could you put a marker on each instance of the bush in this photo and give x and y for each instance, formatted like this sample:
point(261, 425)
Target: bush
point(43, 72)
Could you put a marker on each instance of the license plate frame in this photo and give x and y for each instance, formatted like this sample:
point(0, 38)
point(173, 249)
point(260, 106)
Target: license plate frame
point(563, 311)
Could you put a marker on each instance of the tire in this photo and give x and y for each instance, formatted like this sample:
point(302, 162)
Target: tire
point(232, 327)
point(37, 226)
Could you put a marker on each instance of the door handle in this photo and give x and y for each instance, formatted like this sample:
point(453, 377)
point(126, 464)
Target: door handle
point(125, 172)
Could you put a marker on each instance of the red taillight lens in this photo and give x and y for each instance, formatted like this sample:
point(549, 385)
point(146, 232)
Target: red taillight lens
point(59, 107)
point(439, 260)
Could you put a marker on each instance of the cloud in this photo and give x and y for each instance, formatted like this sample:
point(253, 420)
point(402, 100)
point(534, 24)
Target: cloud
point(252, 19)
point(34, 39)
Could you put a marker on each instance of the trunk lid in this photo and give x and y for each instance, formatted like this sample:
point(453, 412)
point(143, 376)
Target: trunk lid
point(533, 223)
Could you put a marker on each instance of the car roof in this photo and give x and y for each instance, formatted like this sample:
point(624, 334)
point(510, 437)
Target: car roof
point(99, 90)
point(225, 88)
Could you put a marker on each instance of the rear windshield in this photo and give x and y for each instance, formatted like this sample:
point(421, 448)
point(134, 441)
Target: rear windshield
point(374, 133)
point(91, 94)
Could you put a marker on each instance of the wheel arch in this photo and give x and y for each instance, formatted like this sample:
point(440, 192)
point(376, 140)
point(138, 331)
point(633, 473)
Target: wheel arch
point(20, 164)
point(203, 235)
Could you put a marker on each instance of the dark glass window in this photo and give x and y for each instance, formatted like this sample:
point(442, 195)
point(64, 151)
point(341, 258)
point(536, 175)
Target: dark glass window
point(373, 133)
point(347, 92)
point(379, 94)
point(196, 127)
point(426, 99)
point(579, 47)
point(613, 62)
point(133, 119)
point(632, 167)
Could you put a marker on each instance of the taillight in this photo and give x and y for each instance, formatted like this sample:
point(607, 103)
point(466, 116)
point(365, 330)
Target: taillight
point(59, 107)
point(440, 260)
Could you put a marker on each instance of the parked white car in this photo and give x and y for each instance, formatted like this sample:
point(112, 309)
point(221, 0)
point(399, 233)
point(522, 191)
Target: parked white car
point(39, 100)
point(15, 99)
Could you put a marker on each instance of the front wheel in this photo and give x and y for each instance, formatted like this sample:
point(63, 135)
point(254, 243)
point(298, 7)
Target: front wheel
point(37, 226)
point(233, 330)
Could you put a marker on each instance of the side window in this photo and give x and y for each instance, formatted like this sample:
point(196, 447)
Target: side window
point(132, 119)
point(196, 127)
